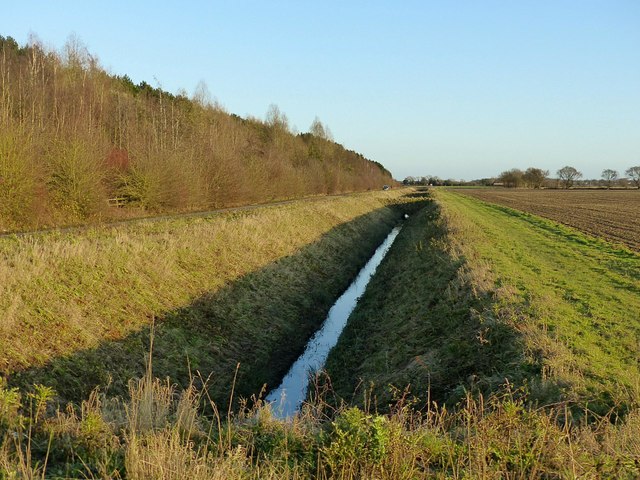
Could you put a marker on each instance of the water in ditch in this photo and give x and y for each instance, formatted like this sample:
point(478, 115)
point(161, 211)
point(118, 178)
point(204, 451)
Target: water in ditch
point(288, 397)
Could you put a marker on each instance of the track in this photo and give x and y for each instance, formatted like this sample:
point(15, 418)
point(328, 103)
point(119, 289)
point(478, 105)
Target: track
point(162, 217)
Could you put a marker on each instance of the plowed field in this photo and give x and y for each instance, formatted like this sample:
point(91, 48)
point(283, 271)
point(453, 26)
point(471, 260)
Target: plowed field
point(610, 214)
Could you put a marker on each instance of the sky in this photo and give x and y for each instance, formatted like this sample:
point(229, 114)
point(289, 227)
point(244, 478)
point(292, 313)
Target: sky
point(459, 89)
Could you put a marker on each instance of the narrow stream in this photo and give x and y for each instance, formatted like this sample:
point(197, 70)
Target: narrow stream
point(288, 397)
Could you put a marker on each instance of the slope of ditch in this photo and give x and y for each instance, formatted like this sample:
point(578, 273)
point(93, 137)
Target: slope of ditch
point(419, 325)
point(473, 295)
point(244, 287)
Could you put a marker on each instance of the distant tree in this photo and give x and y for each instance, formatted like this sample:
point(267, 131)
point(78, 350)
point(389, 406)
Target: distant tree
point(76, 54)
point(9, 42)
point(535, 177)
point(567, 175)
point(128, 83)
point(609, 176)
point(511, 178)
point(319, 130)
point(201, 94)
point(409, 180)
point(276, 119)
point(486, 182)
point(634, 175)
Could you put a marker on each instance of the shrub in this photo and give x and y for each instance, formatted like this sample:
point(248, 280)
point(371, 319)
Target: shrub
point(355, 439)
point(75, 179)
point(17, 182)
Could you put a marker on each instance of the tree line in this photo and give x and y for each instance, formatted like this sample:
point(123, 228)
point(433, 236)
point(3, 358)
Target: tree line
point(567, 177)
point(532, 177)
point(75, 139)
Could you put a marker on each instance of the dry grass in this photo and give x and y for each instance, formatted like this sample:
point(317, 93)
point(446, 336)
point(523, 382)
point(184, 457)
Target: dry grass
point(159, 430)
point(65, 292)
point(158, 434)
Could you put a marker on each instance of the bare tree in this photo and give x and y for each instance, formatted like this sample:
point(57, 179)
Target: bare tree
point(609, 176)
point(409, 180)
point(276, 119)
point(202, 96)
point(634, 175)
point(72, 137)
point(567, 175)
point(535, 177)
point(320, 130)
point(511, 178)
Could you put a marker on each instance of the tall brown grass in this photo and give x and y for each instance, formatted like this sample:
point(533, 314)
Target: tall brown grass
point(160, 432)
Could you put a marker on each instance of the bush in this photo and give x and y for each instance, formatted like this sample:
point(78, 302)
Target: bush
point(75, 179)
point(355, 440)
point(17, 182)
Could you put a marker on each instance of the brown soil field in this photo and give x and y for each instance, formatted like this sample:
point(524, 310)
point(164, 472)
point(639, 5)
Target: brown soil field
point(610, 214)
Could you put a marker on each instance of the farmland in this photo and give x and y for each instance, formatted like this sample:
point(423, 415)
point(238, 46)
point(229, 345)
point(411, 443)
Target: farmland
point(496, 293)
point(610, 214)
point(511, 333)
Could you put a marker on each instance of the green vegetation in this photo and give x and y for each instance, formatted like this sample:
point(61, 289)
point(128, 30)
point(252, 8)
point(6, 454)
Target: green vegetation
point(80, 145)
point(440, 336)
point(497, 294)
point(510, 343)
point(159, 432)
point(248, 287)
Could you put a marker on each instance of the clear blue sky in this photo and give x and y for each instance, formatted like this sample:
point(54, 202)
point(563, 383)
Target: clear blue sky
point(459, 89)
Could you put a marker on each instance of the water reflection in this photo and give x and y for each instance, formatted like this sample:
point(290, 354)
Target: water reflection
point(288, 397)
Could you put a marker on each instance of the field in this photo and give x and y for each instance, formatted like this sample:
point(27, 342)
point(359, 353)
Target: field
point(490, 344)
point(497, 294)
point(610, 214)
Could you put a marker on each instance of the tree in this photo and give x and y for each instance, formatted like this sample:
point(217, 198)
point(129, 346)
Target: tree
point(535, 177)
point(567, 175)
point(609, 176)
point(201, 95)
point(434, 180)
point(409, 180)
point(511, 178)
point(276, 119)
point(319, 130)
point(634, 175)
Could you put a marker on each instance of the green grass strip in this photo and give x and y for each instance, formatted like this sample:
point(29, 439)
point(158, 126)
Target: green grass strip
point(473, 293)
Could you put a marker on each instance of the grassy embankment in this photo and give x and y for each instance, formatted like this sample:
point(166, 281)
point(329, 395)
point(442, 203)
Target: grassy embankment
point(246, 287)
point(497, 294)
point(157, 433)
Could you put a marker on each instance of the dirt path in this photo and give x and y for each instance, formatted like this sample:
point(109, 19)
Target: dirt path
point(157, 218)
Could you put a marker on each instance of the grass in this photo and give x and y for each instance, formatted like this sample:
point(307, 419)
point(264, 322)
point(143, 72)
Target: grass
point(576, 297)
point(77, 307)
point(496, 294)
point(427, 321)
point(611, 214)
point(475, 308)
point(159, 432)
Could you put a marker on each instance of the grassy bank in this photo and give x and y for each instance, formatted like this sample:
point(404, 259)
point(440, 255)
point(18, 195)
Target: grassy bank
point(442, 283)
point(159, 432)
point(244, 287)
point(423, 322)
point(496, 294)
